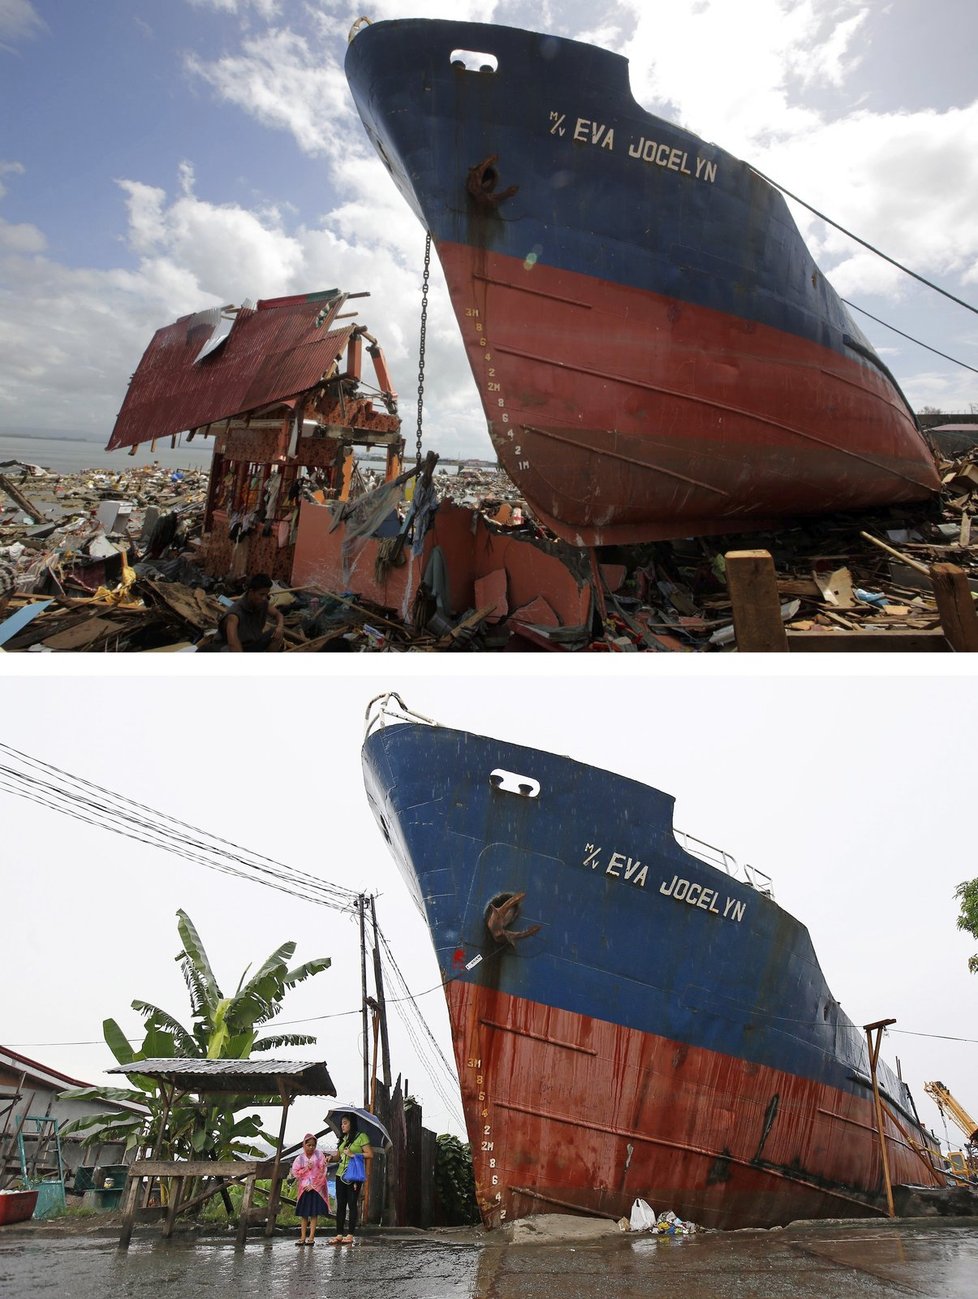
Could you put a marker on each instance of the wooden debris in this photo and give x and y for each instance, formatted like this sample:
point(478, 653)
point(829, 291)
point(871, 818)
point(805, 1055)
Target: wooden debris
point(753, 590)
point(901, 579)
point(20, 500)
point(956, 606)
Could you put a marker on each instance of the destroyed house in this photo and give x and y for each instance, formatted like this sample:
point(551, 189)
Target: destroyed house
point(280, 389)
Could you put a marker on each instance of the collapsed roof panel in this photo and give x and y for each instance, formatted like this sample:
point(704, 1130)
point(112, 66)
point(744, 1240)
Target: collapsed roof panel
point(271, 353)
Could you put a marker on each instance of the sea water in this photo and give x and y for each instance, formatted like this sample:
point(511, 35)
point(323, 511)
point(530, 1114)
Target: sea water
point(70, 455)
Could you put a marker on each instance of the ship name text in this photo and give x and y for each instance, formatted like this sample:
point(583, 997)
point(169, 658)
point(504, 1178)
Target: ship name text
point(618, 866)
point(698, 895)
point(630, 870)
point(657, 153)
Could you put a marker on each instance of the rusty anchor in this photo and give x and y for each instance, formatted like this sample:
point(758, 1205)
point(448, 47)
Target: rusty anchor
point(482, 181)
point(501, 914)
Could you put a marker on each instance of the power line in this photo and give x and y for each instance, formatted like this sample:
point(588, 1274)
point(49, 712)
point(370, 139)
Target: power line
point(58, 790)
point(91, 803)
point(926, 346)
point(892, 260)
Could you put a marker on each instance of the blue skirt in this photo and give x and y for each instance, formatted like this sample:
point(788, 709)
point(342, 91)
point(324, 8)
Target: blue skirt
point(311, 1205)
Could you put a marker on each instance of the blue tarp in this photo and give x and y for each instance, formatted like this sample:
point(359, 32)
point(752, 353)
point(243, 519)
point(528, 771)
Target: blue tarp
point(19, 620)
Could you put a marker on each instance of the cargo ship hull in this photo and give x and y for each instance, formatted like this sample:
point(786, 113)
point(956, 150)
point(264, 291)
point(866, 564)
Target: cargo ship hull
point(628, 1020)
point(656, 351)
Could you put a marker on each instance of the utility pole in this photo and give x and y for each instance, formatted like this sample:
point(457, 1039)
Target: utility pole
point(874, 1052)
point(385, 1050)
point(363, 1013)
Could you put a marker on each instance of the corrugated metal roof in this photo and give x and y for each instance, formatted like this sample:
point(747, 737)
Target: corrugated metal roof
point(301, 1077)
point(273, 352)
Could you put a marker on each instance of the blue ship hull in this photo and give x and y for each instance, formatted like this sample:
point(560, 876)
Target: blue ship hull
point(572, 902)
point(656, 351)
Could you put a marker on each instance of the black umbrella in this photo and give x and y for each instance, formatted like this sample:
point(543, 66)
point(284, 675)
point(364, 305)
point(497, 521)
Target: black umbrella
point(364, 1120)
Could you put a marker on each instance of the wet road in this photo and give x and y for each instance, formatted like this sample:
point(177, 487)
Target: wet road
point(934, 1258)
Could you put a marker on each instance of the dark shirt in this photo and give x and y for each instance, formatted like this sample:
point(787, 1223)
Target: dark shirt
point(251, 623)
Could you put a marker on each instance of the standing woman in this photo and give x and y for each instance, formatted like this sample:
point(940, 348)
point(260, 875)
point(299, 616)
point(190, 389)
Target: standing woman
point(309, 1171)
point(352, 1142)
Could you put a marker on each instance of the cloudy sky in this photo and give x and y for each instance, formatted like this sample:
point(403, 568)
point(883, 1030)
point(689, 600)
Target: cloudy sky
point(855, 793)
point(156, 159)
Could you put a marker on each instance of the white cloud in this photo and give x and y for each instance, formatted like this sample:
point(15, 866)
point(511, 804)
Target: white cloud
point(19, 20)
point(77, 334)
point(729, 70)
point(225, 249)
point(280, 79)
point(905, 182)
point(9, 168)
point(264, 8)
point(21, 238)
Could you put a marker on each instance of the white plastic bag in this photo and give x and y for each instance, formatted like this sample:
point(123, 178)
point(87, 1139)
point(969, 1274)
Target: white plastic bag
point(642, 1216)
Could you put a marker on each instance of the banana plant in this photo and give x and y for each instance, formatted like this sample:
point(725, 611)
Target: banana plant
point(220, 1028)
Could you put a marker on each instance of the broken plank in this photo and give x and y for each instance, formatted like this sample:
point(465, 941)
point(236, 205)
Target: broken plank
point(83, 635)
point(894, 640)
point(20, 500)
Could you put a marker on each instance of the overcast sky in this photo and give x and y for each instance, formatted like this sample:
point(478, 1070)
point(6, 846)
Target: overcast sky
point(156, 159)
point(855, 793)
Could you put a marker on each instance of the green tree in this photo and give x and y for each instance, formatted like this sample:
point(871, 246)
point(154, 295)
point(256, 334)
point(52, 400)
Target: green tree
point(221, 1028)
point(967, 895)
point(455, 1181)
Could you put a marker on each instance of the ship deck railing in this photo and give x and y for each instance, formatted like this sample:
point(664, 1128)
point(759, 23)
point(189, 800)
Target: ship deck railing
point(722, 860)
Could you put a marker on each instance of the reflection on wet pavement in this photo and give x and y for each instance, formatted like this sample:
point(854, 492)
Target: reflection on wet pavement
point(935, 1258)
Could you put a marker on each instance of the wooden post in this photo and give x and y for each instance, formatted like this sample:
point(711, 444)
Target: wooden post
point(753, 587)
point(956, 605)
point(245, 1213)
point(173, 1208)
point(273, 1194)
point(874, 1051)
point(129, 1212)
point(168, 1099)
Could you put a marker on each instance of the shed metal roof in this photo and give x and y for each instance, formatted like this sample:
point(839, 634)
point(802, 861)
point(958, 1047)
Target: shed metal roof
point(201, 369)
point(300, 1077)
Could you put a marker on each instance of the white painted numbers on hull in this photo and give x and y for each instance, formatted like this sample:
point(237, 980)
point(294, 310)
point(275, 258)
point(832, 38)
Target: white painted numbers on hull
point(487, 1145)
point(658, 153)
point(630, 870)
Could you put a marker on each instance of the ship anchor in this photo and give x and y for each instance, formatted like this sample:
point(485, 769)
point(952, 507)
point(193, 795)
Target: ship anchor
point(482, 180)
point(500, 915)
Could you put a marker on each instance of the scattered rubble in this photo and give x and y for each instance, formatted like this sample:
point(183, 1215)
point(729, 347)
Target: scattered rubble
point(109, 561)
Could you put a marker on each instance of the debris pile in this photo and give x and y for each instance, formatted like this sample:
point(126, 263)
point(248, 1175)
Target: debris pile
point(836, 577)
point(643, 1218)
point(110, 561)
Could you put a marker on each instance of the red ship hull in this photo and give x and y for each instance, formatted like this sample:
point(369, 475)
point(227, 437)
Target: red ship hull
point(626, 416)
point(566, 1112)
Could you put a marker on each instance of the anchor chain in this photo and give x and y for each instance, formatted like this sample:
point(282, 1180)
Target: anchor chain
point(421, 343)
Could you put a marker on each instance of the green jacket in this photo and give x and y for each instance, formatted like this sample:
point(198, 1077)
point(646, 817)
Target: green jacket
point(348, 1147)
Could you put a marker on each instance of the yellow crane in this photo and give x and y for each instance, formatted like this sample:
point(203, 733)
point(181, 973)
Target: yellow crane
point(959, 1116)
point(954, 1110)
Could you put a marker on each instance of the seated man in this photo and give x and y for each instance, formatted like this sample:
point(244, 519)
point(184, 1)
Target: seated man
point(242, 629)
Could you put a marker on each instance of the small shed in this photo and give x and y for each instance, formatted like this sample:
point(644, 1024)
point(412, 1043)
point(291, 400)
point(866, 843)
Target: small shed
point(31, 1105)
point(259, 1082)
